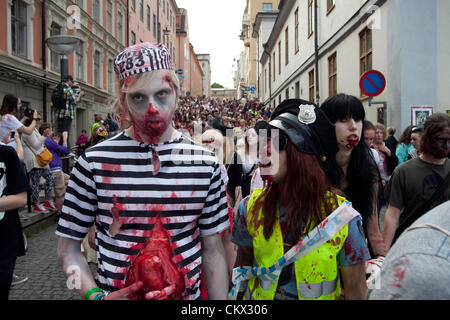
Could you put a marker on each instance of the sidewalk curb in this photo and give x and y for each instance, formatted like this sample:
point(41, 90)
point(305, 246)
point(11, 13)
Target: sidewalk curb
point(32, 222)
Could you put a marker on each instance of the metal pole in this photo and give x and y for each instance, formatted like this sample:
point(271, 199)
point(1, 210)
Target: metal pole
point(316, 51)
point(44, 64)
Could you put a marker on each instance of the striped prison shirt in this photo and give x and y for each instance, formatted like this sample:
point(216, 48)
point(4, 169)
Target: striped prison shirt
point(187, 193)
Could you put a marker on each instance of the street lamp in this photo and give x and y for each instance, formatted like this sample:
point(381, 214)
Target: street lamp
point(63, 45)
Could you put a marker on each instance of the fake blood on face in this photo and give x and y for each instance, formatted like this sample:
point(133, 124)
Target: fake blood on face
point(352, 140)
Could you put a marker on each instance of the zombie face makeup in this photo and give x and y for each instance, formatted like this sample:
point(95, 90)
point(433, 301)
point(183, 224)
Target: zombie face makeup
point(348, 133)
point(272, 159)
point(151, 106)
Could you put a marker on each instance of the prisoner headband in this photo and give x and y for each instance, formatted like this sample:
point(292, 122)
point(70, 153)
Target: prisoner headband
point(142, 57)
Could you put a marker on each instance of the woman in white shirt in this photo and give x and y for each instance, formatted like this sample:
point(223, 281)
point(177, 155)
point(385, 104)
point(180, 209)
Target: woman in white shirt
point(9, 112)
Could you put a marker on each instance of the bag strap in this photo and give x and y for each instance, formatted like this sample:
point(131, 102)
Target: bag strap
point(29, 147)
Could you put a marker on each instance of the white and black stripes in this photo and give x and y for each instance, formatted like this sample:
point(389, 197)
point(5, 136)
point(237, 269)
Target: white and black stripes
point(188, 193)
point(142, 57)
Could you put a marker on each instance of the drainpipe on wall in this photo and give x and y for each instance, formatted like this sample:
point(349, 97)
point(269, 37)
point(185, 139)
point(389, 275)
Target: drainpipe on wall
point(44, 65)
point(316, 51)
point(128, 23)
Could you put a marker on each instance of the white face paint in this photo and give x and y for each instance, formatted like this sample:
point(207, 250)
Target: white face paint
point(348, 133)
point(151, 106)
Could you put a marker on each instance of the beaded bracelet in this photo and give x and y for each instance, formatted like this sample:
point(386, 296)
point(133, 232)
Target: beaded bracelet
point(90, 292)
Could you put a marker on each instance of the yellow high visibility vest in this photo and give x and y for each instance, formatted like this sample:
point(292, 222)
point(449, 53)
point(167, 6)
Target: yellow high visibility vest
point(316, 274)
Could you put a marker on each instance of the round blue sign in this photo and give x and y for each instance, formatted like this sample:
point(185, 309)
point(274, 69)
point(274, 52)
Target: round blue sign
point(372, 83)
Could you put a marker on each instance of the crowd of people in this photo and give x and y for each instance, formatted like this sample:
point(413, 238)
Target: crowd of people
point(170, 194)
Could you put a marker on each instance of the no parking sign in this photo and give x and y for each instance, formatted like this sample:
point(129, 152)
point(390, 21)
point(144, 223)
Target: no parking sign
point(372, 83)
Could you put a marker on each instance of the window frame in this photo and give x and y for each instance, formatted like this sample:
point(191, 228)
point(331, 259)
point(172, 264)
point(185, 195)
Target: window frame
point(365, 54)
point(331, 4)
point(286, 44)
point(149, 17)
point(311, 85)
point(296, 33)
point(97, 73)
point(15, 19)
point(332, 75)
point(79, 56)
point(310, 18)
point(279, 57)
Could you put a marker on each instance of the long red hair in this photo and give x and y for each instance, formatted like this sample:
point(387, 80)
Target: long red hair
point(303, 195)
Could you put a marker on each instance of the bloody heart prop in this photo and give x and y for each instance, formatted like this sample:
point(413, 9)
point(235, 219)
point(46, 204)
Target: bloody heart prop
point(155, 268)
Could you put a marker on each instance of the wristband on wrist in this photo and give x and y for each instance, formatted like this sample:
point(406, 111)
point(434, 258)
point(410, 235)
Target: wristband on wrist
point(90, 292)
point(100, 296)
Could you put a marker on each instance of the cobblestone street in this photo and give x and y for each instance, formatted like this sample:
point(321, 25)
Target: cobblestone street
point(45, 278)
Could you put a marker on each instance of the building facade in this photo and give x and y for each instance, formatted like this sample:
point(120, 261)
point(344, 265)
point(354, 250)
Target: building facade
point(153, 21)
point(248, 85)
point(189, 70)
point(314, 59)
point(205, 63)
point(31, 71)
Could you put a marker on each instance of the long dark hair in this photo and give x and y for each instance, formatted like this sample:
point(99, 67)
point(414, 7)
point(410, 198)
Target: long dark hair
point(9, 105)
point(303, 195)
point(362, 171)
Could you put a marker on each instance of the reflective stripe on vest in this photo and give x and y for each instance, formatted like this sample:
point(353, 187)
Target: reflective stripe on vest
point(315, 290)
point(316, 273)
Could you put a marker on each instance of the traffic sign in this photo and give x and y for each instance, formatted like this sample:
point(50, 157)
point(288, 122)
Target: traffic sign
point(180, 71)
point(372, 83)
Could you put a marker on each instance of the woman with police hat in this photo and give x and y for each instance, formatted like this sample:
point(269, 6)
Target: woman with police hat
point(298, 200)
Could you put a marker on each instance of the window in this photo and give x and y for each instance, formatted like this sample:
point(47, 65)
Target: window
point(97, 69)
point(287, 93)
point(267, 7)
point(164, 6)
point(296, 31)
point(286, 41)
point(110, 76)
point(96, 10)
point(310, 18)
point(120, 26)
point(141, 10)
point(109, 16)
point(279, 57)
point(19, 28)
point(265, 80)
point(133, 37)
point(154, 25)
point(332, 75)
point(133, 5)
point(365, 51)
point(311, 86)
point(79, 73)
point(55, 59)
point(297, 90)
point(330, 5)
point(148, 17)
point(274, 69)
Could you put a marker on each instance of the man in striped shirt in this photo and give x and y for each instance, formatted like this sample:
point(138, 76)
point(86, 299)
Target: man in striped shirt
point(147, 175)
